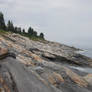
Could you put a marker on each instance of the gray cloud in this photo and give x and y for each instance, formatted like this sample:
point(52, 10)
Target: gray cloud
point(67, 21)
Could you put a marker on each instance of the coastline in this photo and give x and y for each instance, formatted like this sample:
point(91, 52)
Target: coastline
point(49, 63)
point(85, 53)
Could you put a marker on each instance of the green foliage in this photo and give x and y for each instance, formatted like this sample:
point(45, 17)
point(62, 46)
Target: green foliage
point(2, 22)
point(23, 31)
point(35, 33)
point(3, 32)
point(31, 32)
point(10, 28)
point(41, 35)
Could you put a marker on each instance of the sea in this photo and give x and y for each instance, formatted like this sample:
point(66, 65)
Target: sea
point(86, 48)
point(87, 52)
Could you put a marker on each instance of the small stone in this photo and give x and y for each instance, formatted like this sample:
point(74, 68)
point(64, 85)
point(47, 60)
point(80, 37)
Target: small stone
point(39, 70)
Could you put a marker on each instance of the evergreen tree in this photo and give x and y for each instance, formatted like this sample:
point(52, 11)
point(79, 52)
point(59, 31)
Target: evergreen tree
point(41, 35)
point(19, 30)
point(30, 31)
point(2, 22)
point(16, 30)
point(23, 31)
point(34, 33)
point(10, 26)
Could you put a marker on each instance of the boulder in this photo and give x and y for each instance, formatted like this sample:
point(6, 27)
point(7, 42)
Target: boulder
point(3, 52)
point(88, 78)
point(48, 55)
point(76, 78)
point(30, 54)
point(55, 79)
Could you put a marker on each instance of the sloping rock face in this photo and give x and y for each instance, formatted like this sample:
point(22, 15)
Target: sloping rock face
point(35, 66)
point(3, 52)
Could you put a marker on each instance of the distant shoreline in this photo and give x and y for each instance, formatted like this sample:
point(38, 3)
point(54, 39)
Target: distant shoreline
point(85, 53)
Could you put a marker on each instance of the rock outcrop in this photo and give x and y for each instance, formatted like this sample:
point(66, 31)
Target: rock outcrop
point(35, 66)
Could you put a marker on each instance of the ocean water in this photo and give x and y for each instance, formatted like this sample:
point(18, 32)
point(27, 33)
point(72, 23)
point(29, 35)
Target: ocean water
point(87, 48)
point(87, 52)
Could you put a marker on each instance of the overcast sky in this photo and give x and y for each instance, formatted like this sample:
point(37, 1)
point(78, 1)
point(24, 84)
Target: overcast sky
point(65, 21)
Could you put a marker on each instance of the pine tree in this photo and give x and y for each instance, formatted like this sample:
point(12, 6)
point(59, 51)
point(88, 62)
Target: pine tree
point(41, 35)
point(19, 30)
point(10, 26)
point(34, 33)
point(16, 30)
point(30, 31)
point(23, 31)
point(2, 22)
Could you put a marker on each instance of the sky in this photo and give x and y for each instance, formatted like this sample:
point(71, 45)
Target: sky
point(64, 21)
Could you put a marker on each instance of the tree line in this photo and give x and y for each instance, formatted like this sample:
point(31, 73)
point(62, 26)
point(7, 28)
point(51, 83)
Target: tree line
point(11, 28)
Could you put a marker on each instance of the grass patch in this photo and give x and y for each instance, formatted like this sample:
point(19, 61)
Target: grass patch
point(26, 35)
point(3, 32)
point(33, 37)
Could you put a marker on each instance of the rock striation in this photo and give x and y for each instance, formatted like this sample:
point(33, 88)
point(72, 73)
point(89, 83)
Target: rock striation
point(41, 66)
